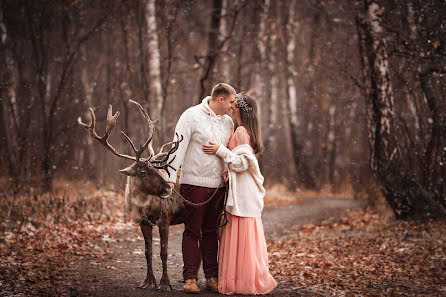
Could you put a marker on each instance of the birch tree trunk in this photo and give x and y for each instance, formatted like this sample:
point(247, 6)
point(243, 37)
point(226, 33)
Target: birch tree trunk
point(411, 20)
point(379, 99)
point(302, 171)
point(154, 59)
point(291, 67)
point(273, 104)
point(331, 144)
point(383, 87)
point(259, 83)
point(223, 34)
point(88, 89)
point(405, 195)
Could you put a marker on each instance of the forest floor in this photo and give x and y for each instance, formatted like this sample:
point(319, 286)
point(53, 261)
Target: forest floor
point(317, 247)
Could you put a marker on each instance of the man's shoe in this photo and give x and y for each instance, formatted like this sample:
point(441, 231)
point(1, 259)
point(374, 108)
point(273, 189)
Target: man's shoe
point(191, 286)
point(212, 284)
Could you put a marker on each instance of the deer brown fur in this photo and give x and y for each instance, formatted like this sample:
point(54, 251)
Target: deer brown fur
point(149, 198)
point(148, 211)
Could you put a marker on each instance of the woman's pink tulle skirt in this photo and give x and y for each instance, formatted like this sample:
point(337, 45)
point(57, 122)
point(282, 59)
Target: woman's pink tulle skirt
point(243, 258)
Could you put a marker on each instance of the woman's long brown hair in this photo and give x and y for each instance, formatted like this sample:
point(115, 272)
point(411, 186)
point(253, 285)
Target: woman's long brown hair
point(250, 120)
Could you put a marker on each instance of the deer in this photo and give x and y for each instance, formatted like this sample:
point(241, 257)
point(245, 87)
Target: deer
point(148, 197)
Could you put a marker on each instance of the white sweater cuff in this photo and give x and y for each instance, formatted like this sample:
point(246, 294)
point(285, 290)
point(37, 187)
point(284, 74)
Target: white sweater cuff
point(222, 151)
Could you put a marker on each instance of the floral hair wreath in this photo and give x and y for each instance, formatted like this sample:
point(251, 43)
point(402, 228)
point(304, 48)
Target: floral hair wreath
point(242, 103)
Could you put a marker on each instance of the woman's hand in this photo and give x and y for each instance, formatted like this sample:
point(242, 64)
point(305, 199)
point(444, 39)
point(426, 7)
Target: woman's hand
point(210, 148)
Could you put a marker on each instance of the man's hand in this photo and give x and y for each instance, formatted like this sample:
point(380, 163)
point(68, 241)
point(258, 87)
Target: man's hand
point(225, 176)
point(172, 185)
point(210, 148)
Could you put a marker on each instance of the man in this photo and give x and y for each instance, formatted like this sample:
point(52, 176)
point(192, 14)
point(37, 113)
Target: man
point(201, 176)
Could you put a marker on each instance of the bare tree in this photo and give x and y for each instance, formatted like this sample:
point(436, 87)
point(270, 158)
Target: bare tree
point(297, 58)
point(302, 171)
point(224, 65)
point(404, 193)
point(259, 89)
point(212, 50)
point(51, 87)
point(273, 72)
point(259, 84)
point(154, 54)
point(216, 42)
point(16, 106)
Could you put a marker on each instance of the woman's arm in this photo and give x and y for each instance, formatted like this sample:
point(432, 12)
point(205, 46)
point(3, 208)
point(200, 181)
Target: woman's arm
point(237, 163)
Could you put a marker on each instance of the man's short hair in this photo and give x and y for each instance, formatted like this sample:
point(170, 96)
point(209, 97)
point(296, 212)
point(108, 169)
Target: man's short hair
point(222, 89)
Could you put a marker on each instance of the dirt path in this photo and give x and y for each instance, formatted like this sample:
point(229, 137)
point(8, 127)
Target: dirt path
point(119, 273)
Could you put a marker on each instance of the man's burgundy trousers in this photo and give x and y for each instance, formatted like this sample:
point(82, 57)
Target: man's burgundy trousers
point(200, 222)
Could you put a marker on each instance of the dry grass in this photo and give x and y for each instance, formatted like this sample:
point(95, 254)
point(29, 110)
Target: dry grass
point(346, 191)
point(69, 202)
point(279, 194)
point(72, 201)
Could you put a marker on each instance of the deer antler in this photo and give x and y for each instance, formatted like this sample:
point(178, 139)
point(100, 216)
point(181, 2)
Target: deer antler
point(162, 154)
point(155, 159)
point(162, 164)
point(151, 124)
point(111, 122)
point(158, 161)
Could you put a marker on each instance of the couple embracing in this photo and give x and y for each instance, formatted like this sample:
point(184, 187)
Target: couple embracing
point(210, 154)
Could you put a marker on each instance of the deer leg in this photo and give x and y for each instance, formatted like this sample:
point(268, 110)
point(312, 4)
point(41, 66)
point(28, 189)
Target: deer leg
point(150, 281)
point(164, 236)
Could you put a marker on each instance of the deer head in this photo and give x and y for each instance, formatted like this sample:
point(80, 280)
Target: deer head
point(146, 169)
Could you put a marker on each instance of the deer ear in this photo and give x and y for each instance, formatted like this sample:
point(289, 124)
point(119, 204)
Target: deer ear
point(129, 171)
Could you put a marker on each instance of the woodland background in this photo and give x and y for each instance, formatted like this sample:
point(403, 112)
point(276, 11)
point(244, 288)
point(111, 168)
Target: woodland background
point(353, 112)
point(352, 93)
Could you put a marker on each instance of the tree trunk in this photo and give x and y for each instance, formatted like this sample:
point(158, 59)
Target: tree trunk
point(435, 153)
point(302, 171)
point(44, 91)
point(47, 166)
point(154, 60)
point(224, 69)
point(171, 58)
point(411, 20)
point(17, 104)
point(144, 83)
point(273, 102)
point(6, 90)
point(331, 145)
point(260, 90)
point(405, 195)
point(260, 73)
point(88, 89)
point(212, 50)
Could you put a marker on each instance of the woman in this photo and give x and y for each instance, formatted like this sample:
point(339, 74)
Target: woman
point(243, 257)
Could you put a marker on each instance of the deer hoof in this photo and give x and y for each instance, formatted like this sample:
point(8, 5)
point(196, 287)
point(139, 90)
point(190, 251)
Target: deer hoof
point(164, 288)
point(148, 284)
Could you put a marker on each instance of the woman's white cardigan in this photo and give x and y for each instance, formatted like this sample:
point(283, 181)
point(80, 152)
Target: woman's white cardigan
point(246, 191)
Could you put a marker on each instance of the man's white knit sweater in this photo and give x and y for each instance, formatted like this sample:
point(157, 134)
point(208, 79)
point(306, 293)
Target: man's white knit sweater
point(199, 124)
